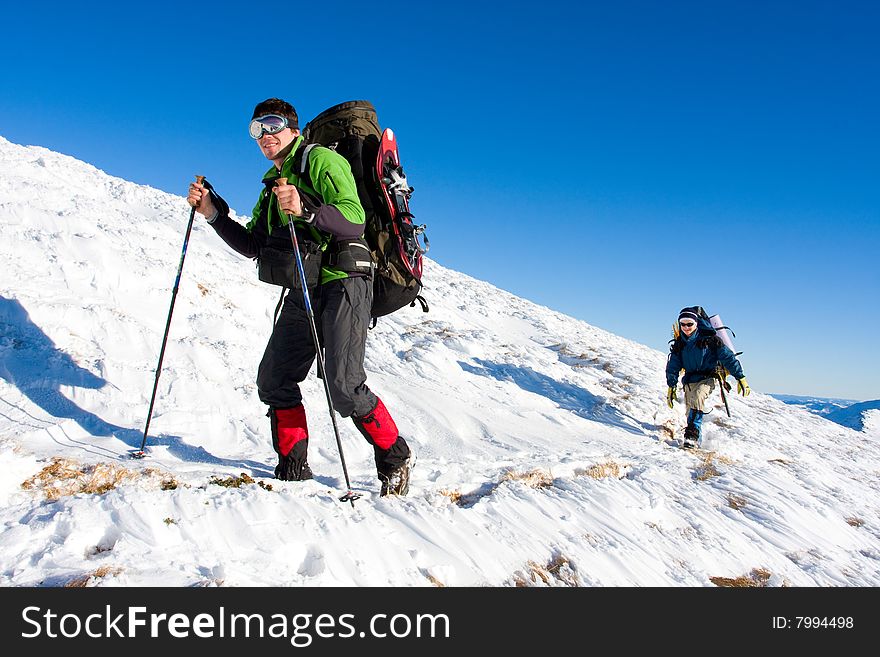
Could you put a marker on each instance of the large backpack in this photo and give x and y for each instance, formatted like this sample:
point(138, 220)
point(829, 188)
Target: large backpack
point(352, 130)
point(720, 334)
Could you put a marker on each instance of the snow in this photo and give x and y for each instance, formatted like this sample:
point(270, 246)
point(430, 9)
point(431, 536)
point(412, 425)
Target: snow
point(546, 455)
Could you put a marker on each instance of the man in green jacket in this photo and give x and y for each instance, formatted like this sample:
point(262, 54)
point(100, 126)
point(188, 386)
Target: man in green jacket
point(328, 219)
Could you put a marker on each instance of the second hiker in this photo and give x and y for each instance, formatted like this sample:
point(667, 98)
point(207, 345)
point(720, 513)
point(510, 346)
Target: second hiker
point(329, 223)
point(698, 351)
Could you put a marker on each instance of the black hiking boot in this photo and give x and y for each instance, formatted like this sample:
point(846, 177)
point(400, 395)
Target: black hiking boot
point(396, 482)
point(288, 469)
point(691, 437)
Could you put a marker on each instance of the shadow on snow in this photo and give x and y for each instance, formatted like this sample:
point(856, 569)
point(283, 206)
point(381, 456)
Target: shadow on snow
point(569, 397)
point(31, 362)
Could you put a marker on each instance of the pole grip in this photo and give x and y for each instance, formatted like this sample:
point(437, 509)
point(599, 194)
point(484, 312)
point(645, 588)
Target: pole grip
point(282, 182)
point(200, 180)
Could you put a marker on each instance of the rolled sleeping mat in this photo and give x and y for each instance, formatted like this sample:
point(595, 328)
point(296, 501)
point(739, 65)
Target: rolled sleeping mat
point(722, 332)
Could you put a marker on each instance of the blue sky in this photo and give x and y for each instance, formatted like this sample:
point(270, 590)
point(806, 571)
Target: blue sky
point(613, 161)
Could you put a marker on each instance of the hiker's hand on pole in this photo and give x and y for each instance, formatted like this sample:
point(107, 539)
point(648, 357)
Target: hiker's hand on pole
point(288, 197)
point(670, 397)
point(200, 198)
point(742, 387)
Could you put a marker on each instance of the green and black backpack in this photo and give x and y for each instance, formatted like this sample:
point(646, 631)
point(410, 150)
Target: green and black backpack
point(352, 130)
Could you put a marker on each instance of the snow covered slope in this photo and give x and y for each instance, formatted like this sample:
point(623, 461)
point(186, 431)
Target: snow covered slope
point(544, 447)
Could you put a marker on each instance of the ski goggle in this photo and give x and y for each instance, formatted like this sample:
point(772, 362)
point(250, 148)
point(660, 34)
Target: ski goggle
point(269, 124)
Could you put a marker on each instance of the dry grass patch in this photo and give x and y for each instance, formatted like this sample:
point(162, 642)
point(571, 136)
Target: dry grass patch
point(603, 470)
point(557, 572)
point(202, 289)
point(855, 522)
point(564, 350)
point(213, 582)
point(536, 478)
point(668, 429)
point(436, 582)
point(779, 461)
point(688, 533)
point(64, 477)
point(168, 482)
point(90, 579)
point(706, 469)
point(757, 578)
point(453, 495)
point(237, 482)
point(736, 501)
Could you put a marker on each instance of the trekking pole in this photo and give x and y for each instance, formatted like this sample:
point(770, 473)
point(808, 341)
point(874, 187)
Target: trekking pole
point(723, 385)
point(139, 454)
point(350, 496)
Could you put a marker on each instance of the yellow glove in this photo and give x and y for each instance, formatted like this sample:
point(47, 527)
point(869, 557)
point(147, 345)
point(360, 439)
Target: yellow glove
point(742, 387)
point(670, 396)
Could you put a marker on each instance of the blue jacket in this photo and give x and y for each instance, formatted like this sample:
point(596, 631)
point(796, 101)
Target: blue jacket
point(699, 355)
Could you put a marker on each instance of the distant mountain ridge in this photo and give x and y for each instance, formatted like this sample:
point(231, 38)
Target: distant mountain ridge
point(863, 416)
point(818, 405)
point(858, 415)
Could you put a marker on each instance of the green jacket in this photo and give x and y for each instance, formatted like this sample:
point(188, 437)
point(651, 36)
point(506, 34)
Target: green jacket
point(335, 204)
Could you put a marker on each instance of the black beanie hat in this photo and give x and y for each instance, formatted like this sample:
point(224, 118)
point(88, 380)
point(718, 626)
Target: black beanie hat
point(687, 314)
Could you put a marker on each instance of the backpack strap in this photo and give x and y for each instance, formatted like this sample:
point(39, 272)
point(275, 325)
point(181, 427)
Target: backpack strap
point(709, 342)
point(304, 165)
point(351, 256)
point(301, 163)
